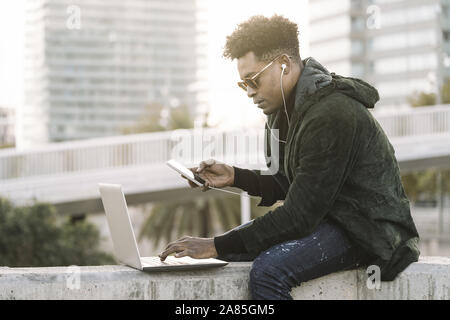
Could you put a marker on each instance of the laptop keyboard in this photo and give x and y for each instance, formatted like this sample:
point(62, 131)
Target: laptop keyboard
point(155, 261)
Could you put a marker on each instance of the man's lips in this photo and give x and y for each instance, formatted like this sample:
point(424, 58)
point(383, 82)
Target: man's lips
point(259, 103)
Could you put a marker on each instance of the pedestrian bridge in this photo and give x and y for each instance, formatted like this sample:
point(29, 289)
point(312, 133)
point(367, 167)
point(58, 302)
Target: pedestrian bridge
point(66, 174)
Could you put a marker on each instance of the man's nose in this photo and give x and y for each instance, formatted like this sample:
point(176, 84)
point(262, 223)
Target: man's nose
point(250, 92)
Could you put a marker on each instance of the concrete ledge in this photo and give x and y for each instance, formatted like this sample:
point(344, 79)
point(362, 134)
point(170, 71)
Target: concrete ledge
point(427, 279)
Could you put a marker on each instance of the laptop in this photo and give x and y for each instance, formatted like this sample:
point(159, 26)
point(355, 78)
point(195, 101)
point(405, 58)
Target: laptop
point(124, 241)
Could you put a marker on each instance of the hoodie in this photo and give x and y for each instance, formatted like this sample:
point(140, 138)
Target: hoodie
point(337, 165)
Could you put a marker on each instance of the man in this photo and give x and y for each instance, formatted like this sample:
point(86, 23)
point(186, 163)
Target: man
point(344, 203)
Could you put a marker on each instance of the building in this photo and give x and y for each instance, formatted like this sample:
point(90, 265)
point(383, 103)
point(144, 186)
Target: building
point(400, 46)
point(7, 127)
point(92, 67)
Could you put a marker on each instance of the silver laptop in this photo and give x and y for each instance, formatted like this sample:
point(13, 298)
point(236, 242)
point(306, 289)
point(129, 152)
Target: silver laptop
point(124, 241)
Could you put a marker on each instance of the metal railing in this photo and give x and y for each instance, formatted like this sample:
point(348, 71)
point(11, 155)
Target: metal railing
point(156, 148)
point(415, 122)
point(112, 152)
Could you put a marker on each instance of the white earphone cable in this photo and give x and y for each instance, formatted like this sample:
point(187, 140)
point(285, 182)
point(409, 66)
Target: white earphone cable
point(282, 93)
point(284, 103)
point(239, 194)
point(273, 135)
point(282, 141)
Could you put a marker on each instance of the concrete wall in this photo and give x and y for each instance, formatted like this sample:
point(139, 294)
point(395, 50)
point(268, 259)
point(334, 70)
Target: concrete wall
point(427, 279)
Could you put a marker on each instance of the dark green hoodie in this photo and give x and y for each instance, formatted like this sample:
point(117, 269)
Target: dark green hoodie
point(339, 165)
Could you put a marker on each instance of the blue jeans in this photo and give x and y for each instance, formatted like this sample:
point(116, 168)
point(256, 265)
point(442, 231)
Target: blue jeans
point(284, 266)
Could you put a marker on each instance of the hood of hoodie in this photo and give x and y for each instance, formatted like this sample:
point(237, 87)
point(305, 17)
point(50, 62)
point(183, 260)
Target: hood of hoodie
point(315, 77)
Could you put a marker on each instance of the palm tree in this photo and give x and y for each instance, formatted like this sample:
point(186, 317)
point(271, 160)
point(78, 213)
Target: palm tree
point(197, 217)
point(424, 184)
point(422, 99)
point(202, 217)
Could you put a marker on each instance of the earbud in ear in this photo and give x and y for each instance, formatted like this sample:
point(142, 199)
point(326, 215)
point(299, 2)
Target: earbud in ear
point(283, 66)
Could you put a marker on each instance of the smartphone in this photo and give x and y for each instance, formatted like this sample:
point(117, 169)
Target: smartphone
point(185, 172)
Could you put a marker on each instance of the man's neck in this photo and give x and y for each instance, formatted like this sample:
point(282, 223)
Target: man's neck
point(291, 99)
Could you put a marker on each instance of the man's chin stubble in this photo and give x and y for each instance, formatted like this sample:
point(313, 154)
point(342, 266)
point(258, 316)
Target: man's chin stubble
point(268, 112)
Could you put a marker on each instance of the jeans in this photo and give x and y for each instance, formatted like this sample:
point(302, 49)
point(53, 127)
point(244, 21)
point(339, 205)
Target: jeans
point(286, 265)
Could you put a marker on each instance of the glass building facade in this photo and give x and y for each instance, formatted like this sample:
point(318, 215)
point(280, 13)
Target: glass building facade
point(92, 67)
point(7, 135)
point(400, 46)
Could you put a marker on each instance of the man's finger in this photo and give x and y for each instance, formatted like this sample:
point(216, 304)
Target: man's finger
point(169, 251)
point(205, 164)
point(201, 166)
point(170, 245)
point(182, 239)
point(177, 241)
point(205, 187)
point(173, 247)
point(191, 184)
point(182, 254)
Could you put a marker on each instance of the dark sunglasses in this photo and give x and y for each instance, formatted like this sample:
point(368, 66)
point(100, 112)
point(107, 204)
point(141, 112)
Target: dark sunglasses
point(251, 82)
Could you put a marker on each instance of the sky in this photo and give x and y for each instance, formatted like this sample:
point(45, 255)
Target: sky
point(226, 99)
point(11, 52)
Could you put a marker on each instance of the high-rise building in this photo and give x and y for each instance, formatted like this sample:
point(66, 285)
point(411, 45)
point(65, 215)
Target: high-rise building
point(92, 67)
point(400, 46)
point(7, 134)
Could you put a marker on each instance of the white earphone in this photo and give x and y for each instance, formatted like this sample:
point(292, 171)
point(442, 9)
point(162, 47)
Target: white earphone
point(283, 66)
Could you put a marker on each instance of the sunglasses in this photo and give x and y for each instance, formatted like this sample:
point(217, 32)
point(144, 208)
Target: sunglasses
point(251, 82)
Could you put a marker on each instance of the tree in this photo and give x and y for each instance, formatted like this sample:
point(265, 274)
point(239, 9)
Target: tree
point(179, 118)
point(445, 92)
point(32, 236)
point(198, 217)
point(421, 99)
point(152, 121)
point(424, 184)
point(6, 146)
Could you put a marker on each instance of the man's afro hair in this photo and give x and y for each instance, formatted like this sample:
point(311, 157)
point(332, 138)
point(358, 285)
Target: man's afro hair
point(263, 36)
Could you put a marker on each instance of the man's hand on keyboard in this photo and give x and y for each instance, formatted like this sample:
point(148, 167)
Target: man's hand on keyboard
point(198, 248)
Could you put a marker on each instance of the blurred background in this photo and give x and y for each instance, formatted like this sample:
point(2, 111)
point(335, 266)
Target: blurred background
point(93, 91)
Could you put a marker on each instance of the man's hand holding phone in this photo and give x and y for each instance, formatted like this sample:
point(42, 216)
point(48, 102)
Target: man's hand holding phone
point(215, 174)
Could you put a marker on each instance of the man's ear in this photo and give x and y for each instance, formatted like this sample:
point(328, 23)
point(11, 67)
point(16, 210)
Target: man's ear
point(284, 60)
